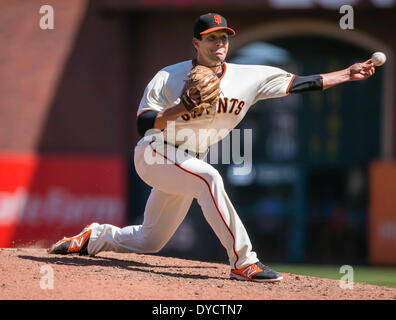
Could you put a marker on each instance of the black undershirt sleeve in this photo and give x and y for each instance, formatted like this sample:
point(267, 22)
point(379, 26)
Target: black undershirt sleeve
point(146, 122)
point(306, 83)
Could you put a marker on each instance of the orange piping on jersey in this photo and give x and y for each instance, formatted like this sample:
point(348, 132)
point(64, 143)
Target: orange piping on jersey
point(291, 81)
point(144, 111)
point(213, 198)
point(224, 70)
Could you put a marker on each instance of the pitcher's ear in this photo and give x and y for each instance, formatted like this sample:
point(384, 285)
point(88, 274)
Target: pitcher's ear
point(195, 42)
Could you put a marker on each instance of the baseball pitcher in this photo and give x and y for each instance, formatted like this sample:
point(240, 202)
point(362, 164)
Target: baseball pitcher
point(183, 112)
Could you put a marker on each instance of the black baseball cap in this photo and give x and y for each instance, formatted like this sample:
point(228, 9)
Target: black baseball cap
point(211, 22)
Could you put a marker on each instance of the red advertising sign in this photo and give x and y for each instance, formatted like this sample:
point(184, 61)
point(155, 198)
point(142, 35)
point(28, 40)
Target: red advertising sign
point(43, 198)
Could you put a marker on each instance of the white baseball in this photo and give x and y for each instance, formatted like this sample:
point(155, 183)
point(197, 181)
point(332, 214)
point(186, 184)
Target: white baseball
point(378, 58)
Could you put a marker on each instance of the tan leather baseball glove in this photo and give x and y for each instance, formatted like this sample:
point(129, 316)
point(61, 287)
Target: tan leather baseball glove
point(201, 90)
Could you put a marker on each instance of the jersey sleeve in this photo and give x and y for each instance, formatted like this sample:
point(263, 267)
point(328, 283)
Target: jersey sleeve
point(154, 96)
point(273, 82)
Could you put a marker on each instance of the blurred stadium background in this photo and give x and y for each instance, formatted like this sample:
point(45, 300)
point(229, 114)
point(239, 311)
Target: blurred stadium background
point(323, 185)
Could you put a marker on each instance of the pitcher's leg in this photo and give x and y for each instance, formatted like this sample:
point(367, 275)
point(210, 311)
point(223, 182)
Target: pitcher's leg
point(224, 220)
point(203, 182)
point(163, 214)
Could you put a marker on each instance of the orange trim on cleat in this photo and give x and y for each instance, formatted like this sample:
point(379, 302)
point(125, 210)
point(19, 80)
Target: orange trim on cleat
point(76, 244)
point(256, 272)
point(248, 271)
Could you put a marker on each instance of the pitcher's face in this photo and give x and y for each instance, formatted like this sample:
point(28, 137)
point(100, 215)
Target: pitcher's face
point(212, 49)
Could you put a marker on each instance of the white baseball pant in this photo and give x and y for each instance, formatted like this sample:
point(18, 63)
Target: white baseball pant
point(176, 179)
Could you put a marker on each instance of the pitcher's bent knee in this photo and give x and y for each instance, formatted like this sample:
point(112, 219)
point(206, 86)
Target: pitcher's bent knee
point(151, 247)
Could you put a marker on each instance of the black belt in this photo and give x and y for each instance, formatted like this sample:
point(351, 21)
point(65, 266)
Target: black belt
point(194, 154)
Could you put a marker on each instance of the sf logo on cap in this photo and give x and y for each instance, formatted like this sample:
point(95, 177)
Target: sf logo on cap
point(217, 19)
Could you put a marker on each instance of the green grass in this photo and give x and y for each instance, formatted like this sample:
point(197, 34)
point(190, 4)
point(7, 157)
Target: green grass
point(371, 275)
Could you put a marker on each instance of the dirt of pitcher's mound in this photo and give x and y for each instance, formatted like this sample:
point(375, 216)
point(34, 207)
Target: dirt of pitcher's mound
point(30, 273)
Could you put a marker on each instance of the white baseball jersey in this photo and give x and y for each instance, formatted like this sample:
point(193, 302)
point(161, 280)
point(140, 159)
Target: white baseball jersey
point(241, 87)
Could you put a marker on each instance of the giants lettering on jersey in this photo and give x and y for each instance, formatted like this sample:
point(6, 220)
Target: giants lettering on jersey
point(225, 105)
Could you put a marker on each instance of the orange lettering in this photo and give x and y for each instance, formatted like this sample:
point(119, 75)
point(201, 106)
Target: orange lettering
point(239, 108)
point(233, 101)
point(217, 19)
point(223, 105)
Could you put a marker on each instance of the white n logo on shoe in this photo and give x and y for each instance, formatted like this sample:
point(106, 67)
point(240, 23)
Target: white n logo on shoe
point(75, 242)
point(249, 271)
